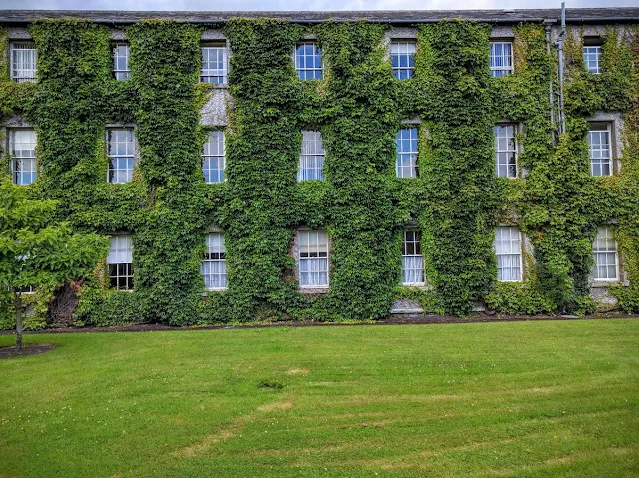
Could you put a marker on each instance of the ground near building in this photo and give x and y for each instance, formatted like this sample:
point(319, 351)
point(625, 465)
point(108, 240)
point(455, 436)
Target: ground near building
point(555, 398)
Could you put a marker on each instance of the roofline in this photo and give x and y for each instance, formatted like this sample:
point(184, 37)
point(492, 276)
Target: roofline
point(549, 16)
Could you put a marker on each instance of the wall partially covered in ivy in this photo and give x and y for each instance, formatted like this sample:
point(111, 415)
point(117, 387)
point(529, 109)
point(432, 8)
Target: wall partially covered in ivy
point(456, 202)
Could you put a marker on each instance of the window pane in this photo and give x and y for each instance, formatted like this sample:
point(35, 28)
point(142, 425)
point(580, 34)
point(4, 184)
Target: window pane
point(406, 162)
point(313, 258)
point(599, 152)
point(214, 65)
point(412, 260)
point(22, 146)
point(214, 264)
point(507, 246)
point(121, 150)
point(308, 61)
point(312, 157)
point(119, 261)
point(501, 59)
point(505, 151)
point(213, 157)
point(23, 61)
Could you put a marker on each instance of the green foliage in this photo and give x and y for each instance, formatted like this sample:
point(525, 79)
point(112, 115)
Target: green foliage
point(36, 253)
point(518, 298)
point(358, 107)
point(458, 210)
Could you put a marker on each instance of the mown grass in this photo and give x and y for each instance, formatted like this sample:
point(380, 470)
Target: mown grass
point(494, 399)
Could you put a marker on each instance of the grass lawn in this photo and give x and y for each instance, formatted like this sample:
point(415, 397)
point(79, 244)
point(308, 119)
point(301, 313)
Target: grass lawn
point(483, 399)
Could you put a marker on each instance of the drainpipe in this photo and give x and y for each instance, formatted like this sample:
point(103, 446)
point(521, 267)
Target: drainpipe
point(550, 83)
point(560, 55)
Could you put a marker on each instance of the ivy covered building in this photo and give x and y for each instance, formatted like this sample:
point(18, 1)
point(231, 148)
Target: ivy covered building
point(331, 165)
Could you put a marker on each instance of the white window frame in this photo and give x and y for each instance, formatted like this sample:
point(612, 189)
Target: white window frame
point(301, 260)
point(215, 73)
point(215, 244)
point(595, 129)
point(592, 53)
point(312, 153)
point(412, 155)
point(511, 149)
point(499, 71)
point(403, 48)
point(14, 160)
point(121, 75)
point(417, 240)
point(112, 157)
point(23, 74)
point(608, 235)
point(119, 243)
point(302, 71)
point(214, 153)
point(519, 249)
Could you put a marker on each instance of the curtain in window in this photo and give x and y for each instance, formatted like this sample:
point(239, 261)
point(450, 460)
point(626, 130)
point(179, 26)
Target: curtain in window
point(412, 269)
point(314, 271)
point(214, 273)
point(509, 267)
point(121, 250)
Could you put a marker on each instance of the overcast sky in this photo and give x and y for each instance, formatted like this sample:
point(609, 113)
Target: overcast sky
point(217, 5)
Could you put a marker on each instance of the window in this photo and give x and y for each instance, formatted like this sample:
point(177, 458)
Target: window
point(407, 153)
point(501, 58)
point(403, 59)
point(120, 262)
point(23, 61)
point(313, 258)
point(308, 61)
point(592, 54)
point(26, 290)
point(412, 259)
point(213, 161)
point(214, 263)
point(508, 248)
point(604, 248)
point(505, 151)
point(22, 144)
point(599, 150)
point(121, 148)
point(121, 61)
point(312, 157)
point(214, 64)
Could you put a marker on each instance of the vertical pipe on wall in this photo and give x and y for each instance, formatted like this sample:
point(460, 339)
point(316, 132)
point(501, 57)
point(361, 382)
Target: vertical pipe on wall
point(550, 83)
point(560, 55)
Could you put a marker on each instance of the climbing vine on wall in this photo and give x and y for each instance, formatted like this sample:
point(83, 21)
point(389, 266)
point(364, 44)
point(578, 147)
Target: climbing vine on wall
point(358, 107)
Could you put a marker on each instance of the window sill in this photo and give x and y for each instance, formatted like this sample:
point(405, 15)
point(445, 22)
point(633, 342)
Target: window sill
point(416, 285)
point(215, 86)
point(208, 291)
point(314, 290)
point(605, 283)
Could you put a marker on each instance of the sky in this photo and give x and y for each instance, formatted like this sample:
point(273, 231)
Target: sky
point(238, 5)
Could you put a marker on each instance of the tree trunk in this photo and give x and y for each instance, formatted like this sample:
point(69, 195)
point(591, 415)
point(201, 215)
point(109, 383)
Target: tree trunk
point(17, 303)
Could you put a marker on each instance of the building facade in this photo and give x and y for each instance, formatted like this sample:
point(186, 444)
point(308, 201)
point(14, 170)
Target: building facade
point(333, 165)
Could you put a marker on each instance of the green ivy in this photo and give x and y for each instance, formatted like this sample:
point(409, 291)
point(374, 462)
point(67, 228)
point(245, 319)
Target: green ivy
point(358, 107)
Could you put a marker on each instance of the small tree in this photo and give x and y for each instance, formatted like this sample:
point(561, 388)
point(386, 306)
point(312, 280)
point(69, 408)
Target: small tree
point(34, 252)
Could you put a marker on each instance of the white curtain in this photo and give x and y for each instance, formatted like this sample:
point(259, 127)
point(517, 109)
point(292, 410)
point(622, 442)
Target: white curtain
point(214, 273)
point(314, 271)
point(121, 250)
point(412, 269)
point(509, 267)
